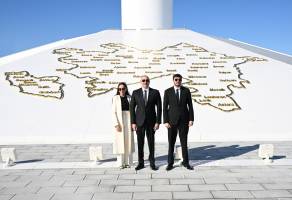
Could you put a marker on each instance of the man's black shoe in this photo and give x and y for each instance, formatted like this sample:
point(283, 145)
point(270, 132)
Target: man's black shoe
point(153, 167)
point(188, 166)
point(169, 167)
point(139, 166)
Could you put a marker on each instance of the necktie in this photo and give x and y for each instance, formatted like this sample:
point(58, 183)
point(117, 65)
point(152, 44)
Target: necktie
point(177, 95)
point(145, 97)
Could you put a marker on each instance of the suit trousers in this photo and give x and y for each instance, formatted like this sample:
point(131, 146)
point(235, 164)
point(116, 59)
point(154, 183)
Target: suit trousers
point(182, 129)
point(141, 130)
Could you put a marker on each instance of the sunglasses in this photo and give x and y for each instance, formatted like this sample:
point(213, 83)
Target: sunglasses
point(177, 79)
point(145, 80)
point(120, 89)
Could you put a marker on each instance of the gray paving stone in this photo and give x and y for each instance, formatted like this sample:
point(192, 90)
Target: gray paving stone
point(72, 160)
point(8, 178)
point(81, 183)
point(15, 171)
point(220, 180)
point(283, 179)
point(234, 199)
point(44, 183)
point(111, 169)
point(77, 177)
point(192, 195)
point(116, 182)
point(94, 189)
point(112, 196)
point(244, 186)
point(151, 181)
point(260, 199)
point(57, 190)
point(4, 172)
point(101, 177)
point(208, 187)
point(278, 186)
point(6, 196)
point(149, 171)
point(58, 172)
point(271, 193)
point(124, 171)
point(45, 196)
point(232, 194)
point(132, 188)
point(20, 190)
point(261, 175)
point(186, 181)
point(166, 188)
point(256, 180)
point(33, 177)
point(15, 183)
point(152, 195)
point(135, 176)
point(192, 175)
point(212, 172)
point(26, 172)
point(204, 180)
point(92, 172)
point(265, 171)
point(72, 197)
point(168, 175)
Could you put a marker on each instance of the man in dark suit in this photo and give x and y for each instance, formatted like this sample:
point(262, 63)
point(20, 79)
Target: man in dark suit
point(178, 116)
point(145, 118)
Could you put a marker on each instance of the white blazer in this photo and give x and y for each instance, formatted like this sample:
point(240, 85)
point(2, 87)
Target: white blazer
point(117, 118)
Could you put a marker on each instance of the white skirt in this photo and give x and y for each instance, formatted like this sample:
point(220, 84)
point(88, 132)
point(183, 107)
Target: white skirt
point(124, 141)
point(127, 131)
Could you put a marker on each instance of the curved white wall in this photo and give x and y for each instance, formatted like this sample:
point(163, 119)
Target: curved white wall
point(27, 118)
point(141, 14)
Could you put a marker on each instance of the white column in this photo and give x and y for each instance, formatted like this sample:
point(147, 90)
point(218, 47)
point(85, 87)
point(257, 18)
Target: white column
point(146, 14)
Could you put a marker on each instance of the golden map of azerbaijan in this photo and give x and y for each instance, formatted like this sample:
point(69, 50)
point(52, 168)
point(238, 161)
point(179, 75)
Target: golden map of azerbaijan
point(211, 77)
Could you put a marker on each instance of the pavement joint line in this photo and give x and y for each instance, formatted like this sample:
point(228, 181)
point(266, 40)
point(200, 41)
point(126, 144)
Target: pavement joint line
point(76, 189)
point(189, 189)
point(252, 194)
point(52, 196)
point(162, 164)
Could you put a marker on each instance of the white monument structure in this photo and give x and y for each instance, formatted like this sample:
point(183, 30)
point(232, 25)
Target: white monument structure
point(61, 92)
point(146, 14)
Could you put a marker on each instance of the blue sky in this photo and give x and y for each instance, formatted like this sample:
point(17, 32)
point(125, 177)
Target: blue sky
point(30, 23)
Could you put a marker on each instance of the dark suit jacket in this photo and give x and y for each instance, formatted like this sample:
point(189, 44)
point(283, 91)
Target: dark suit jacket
point(140, 112)
point(174, 111)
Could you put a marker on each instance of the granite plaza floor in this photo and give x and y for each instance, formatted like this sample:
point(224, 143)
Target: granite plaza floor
point(221, 171)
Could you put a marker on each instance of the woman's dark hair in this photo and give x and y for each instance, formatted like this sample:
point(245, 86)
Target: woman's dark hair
point(125, 85)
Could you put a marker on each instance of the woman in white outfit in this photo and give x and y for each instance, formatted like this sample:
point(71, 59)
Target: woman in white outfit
point(123, 135)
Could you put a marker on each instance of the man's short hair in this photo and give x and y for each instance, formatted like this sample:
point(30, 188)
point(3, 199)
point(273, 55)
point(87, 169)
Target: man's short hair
point(144, 76)
point(176, 76)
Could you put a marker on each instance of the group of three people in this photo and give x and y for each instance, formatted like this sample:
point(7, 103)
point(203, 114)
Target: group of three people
point(142, 112)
